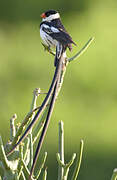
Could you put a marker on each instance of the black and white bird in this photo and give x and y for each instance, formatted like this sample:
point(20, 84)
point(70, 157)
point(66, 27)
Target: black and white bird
point(53, 32)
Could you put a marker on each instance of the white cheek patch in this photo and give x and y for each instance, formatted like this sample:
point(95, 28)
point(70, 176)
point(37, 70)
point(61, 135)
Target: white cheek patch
point(51, 17)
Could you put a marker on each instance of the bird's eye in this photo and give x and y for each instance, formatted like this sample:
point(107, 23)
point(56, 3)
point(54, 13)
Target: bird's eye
point(47, 14)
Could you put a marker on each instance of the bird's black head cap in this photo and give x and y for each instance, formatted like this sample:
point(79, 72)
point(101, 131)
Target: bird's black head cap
point(50, 12)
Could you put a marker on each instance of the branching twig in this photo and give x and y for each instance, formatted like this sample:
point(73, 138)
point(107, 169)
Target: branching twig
point(65, 166)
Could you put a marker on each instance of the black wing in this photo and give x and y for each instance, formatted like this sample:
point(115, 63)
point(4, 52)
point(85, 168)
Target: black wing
point(64, 34)
point(62, 37)
point(57, 32)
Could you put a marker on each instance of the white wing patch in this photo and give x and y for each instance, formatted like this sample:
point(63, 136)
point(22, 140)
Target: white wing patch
point(54, 30)
point(47, 39)
point(45, 26)
point(49, 29)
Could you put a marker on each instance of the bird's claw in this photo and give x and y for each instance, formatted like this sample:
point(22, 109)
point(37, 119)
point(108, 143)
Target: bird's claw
point(47, 48)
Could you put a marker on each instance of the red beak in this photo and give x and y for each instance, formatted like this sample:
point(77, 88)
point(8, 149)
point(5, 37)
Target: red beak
point(43, 15)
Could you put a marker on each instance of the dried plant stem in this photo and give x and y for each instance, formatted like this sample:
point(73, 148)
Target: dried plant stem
point(61, 150)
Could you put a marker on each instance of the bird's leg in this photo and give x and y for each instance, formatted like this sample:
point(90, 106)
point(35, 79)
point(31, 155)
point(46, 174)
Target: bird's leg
point(47, 48)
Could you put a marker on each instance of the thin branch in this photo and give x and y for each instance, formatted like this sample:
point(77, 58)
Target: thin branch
point(25, 169)
point(78, 162)
point(61, 150)
point(67, 166)
point(21, 128)
point(23, 176)
point(36, 93)
point(42, 165)
point(3, 157)
point(77, 55)
point(26, 149)
point(8, 165)
point(20, 167)
point(45, 174)
point(12, 127)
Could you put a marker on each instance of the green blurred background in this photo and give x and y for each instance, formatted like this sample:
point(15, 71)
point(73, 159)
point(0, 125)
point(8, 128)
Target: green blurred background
point(88, 100)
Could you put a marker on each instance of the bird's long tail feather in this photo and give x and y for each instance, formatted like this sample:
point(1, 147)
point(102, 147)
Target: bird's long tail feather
point(45, 102)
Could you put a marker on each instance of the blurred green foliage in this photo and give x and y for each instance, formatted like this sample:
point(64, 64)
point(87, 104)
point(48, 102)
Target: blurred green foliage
point(88, 101)
point(30, 10)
